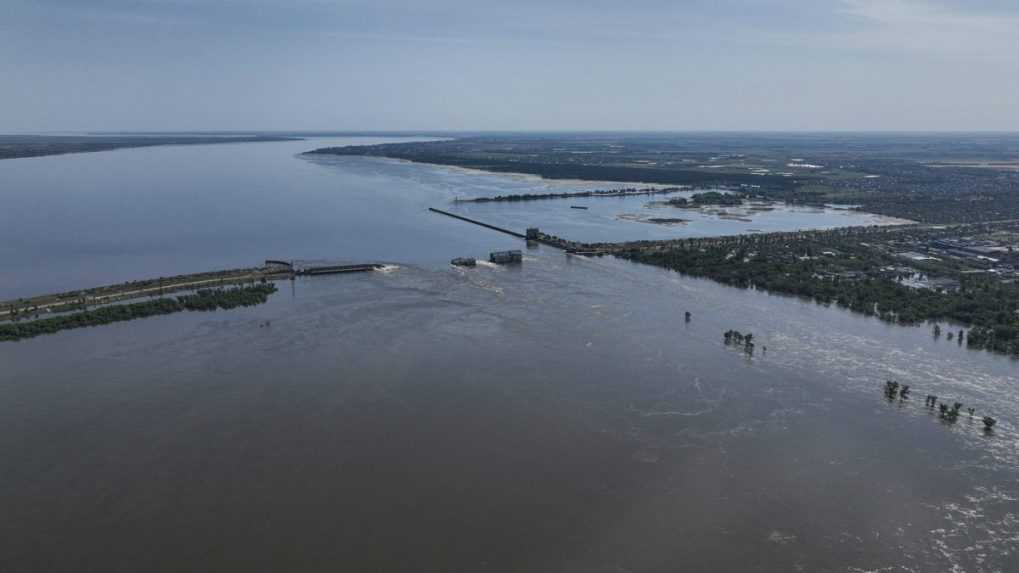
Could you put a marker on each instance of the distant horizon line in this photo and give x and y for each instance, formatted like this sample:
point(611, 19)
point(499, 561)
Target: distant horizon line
point(394, 132)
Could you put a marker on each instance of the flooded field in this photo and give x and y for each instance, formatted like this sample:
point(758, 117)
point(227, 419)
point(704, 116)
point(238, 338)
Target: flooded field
point(593, 219)
point(560, 415)
point(649, 218)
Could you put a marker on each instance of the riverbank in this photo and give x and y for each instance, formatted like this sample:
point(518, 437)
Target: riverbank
point(20, 146)
point(81, 299)
point(861, 269)
point(202, 300)
point(869, 172)
point(867, 271)
point(626, 192)
point(561, 170)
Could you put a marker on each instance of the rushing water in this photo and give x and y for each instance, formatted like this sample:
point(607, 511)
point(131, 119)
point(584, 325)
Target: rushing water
point(557, 416)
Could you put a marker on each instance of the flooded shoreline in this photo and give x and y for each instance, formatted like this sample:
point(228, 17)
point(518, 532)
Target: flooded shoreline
point(625, 420)
point(626, 218)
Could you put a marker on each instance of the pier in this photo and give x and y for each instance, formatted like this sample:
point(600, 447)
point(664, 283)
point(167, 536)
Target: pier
point(479, 223)
point(532, 235)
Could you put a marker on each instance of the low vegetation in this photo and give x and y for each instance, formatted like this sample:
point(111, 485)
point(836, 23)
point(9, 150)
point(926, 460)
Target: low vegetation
point(854, 277)
point(708, 198)
point(624, 192)
point(18, 146)
point(202, 300)
point(928, 178)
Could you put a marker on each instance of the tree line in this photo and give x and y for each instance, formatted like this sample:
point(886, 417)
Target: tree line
point(202, 300)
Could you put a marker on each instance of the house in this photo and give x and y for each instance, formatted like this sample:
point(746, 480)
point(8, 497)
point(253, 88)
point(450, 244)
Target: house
point(944, 284)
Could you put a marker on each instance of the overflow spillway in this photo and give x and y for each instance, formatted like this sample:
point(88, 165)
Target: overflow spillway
point(336, 269)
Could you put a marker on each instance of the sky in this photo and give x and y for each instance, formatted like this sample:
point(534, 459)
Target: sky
point(777, 65)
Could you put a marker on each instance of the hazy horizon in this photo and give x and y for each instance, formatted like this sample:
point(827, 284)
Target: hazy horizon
point(474, 132)
point(564, 65)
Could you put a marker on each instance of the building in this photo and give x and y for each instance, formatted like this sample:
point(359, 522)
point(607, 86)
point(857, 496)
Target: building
point(506, 257)
point(943, 284)
point(915, 256)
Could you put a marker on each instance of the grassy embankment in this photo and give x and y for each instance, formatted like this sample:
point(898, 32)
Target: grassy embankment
point(202, 300)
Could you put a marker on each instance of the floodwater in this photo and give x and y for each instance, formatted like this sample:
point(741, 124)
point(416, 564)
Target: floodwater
point(648, 217)
point(556, 416)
